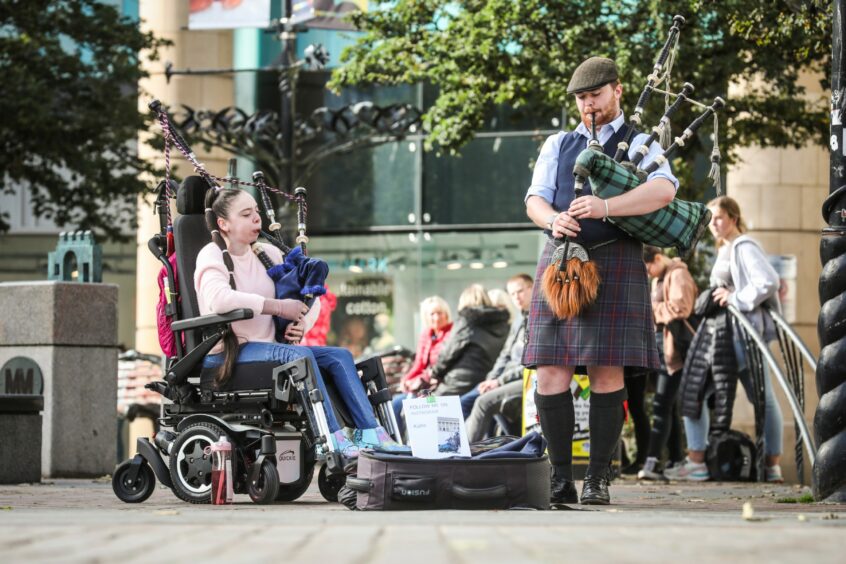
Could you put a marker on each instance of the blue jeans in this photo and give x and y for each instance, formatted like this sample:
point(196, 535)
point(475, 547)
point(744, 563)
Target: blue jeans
point(468, 400)
point(697, 429)
point(334, 362)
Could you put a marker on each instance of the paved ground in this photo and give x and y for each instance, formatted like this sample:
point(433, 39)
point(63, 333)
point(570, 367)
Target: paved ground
point(82, 521)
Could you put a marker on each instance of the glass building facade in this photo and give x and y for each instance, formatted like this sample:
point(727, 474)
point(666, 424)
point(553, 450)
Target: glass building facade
point(397, 223)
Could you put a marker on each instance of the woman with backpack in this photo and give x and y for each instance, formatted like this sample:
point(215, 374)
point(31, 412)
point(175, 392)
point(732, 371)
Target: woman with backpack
point(742, 277)
point(673, 295)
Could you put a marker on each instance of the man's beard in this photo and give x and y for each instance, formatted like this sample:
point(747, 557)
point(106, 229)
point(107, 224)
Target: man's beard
point(602, 117)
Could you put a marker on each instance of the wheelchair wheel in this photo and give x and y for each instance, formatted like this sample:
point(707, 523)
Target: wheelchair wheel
point(329, 485)
point(290, 492)
point(135, 491)
point(265, 490)
point(190, 466)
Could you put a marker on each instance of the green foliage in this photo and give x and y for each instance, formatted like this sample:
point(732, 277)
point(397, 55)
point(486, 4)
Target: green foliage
point(481, 53)
point(804, 498)
point(69, 104)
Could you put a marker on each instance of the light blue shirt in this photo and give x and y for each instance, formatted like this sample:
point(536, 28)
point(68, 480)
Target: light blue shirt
point(546, 167)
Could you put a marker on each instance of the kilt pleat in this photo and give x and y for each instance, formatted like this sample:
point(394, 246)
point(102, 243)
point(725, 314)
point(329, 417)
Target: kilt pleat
point(616, 330)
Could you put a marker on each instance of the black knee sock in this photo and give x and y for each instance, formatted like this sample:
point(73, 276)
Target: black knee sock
point(606, 423)
point(558, 419)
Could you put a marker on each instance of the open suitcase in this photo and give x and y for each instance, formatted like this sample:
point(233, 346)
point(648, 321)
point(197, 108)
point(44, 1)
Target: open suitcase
point(401, 482)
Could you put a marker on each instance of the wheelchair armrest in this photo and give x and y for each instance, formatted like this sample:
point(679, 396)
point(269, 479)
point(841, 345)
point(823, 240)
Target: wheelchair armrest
point(372, 370)
point(212, 319)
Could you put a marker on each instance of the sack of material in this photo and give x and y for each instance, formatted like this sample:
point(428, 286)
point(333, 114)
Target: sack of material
point(493, 480)
point(680, 224)
point(731, 457)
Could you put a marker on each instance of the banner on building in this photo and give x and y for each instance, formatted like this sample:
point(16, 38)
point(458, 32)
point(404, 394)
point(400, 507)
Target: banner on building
point(228, 14)
point(326, 14)
point(363, 319)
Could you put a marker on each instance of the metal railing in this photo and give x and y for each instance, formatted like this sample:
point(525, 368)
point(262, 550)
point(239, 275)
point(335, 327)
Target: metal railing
point(791, 379)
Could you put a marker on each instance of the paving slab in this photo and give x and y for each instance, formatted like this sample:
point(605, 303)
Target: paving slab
point(82, 521)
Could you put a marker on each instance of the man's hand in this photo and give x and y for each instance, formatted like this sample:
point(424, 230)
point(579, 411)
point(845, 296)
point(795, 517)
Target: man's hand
point(721, 296)
point(295, 331)
point(565, 225)
point(487, 386)
point(587, 207)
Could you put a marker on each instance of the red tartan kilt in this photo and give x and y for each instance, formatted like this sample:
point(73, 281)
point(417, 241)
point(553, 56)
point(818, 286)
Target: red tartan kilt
point(616, 330)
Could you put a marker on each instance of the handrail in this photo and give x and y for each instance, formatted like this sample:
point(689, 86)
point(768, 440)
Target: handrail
point(794, 336)
point(798, 414)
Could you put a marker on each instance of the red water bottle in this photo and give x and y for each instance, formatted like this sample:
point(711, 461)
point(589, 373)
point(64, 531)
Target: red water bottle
point(221, 475)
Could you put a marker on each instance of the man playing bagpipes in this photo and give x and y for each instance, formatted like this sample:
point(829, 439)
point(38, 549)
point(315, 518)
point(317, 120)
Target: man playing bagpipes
point(615, 330)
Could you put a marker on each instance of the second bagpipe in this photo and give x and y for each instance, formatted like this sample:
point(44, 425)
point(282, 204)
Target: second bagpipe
point(299, 276)
point(571, 281)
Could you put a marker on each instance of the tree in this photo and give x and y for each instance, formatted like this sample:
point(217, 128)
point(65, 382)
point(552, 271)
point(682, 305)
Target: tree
point(69, 104)
point(482, 53)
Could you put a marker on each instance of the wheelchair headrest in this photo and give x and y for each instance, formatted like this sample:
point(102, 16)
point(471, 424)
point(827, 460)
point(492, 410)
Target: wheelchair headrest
point(190, 198)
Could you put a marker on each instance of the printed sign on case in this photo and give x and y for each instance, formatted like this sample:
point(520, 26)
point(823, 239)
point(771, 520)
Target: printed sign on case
point(436, 427)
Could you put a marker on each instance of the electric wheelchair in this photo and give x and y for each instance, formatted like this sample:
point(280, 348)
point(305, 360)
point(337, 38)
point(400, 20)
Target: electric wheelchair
point(272, 414)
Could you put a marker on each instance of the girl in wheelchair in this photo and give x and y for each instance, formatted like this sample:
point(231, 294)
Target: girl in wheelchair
point(229, 276)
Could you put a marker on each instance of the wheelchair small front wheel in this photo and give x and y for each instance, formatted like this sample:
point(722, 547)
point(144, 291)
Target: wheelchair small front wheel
point(330, 485)
point(133, 491)
point(264, 491)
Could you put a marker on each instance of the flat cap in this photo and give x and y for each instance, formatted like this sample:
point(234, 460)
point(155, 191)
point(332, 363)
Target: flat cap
point(592, 74)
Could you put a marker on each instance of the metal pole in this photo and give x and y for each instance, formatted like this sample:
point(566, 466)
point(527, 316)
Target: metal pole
point(287, 83)
point(829, 478)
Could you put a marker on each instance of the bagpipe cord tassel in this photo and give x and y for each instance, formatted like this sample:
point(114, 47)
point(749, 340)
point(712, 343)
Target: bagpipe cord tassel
point(665, 137)
point(714, 174)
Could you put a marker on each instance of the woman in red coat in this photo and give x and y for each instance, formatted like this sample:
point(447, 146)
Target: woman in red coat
point(437, 324)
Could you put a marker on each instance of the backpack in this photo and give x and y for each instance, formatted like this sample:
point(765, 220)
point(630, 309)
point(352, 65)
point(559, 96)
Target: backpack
point(731, 457)
point(165, 311)
point(683, 331)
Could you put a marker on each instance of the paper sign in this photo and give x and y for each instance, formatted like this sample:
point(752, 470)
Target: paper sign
point(436, 427)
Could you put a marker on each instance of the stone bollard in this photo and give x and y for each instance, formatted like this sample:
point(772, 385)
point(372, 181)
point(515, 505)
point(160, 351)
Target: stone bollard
point(70, 331)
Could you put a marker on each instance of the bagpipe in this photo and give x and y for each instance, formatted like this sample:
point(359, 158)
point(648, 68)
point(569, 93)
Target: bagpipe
point(299, 276)
point(571, 280)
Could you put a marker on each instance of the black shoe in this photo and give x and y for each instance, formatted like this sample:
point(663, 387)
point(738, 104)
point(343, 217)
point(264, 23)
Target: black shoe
point(562, 492)
point(595, 490)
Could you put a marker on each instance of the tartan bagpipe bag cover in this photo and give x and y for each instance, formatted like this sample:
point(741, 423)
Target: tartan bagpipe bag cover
point(680, 224)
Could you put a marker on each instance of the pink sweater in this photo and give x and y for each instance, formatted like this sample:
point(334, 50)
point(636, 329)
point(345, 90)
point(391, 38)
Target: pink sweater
point(211, 279)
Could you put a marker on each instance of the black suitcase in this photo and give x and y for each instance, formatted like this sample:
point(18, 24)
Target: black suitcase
point(398, 482)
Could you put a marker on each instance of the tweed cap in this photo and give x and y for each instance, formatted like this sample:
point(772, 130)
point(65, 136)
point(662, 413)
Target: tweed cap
point(591, 74)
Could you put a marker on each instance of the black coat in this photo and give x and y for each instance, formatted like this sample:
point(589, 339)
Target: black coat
point(471, 349)
point(710, 364)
